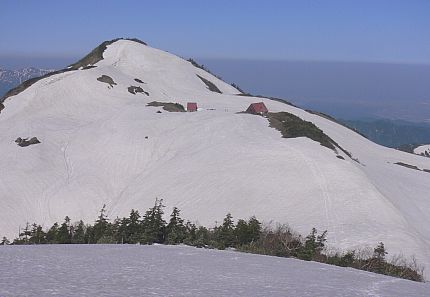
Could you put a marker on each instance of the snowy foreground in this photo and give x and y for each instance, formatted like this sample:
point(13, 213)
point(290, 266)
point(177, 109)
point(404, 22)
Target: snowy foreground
point(131, 270)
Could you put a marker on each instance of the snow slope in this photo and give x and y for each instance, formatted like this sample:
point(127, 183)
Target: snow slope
point(94, 151)
point(422, 149)
point(130, 270)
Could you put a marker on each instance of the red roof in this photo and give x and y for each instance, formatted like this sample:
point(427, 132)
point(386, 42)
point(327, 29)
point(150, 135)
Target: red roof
point(191, 106)
point(257, 108)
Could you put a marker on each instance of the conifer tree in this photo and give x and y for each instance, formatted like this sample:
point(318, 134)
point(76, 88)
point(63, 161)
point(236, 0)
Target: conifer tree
point(242, 232)
point(79, 233)
point(154, 224)
point(225, 233)
point(254, 229)
point(63, 233)
point(101, 225)
point(4, 241)
point(202, 237)
point(314, 244)
point(38, 236)
point(25, 234)
point(175, 230)
point(122, 234)
point(379, 252)
point(377, 263)
point(51, 235)
point(134, 227)
point(114, 229)
point(190, 233)
point(247, 232)
point(89, 234)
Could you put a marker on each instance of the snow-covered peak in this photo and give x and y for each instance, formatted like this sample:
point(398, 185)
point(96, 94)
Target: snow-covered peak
point(423, 150)
point(159, 67)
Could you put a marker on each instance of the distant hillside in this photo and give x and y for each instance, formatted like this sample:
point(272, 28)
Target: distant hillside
point(392, 133)
point(12, 78)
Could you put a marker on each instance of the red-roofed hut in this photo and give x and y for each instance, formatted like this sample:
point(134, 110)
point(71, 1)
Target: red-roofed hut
point(257, 108)
point(191, 106)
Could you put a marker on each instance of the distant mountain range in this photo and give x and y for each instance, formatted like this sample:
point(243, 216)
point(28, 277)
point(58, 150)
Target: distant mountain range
point(11, 78)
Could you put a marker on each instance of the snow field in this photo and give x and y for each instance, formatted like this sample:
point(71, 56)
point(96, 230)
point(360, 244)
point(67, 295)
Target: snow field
point(132, 270)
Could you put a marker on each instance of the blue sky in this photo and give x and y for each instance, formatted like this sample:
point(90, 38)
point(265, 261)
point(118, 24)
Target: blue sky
point(365, 30)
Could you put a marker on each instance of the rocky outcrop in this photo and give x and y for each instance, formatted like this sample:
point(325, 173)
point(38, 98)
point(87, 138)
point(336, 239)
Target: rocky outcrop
point(107, 79)
point(134, 90)
point(23, 142)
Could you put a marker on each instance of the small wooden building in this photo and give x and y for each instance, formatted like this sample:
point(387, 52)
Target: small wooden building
point(257, 108)
point(191, 106)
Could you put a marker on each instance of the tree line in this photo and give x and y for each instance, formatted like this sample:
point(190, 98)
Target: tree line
point(244, 235)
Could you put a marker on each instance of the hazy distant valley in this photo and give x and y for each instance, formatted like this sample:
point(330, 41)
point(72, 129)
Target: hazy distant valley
point(347, 90)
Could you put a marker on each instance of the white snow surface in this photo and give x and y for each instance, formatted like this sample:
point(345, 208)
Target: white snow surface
point(422, 149)
point(94, 151)
point(130, 270)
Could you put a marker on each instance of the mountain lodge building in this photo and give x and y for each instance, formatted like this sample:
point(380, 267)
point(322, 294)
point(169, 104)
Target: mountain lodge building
point(191, 106)
point(257, 108)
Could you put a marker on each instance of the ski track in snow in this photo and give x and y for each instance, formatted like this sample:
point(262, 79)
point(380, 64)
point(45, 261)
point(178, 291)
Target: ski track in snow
point(93, 151)
point(131, 270)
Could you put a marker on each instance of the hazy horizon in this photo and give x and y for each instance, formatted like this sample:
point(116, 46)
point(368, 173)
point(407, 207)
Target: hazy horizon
point(343, 89)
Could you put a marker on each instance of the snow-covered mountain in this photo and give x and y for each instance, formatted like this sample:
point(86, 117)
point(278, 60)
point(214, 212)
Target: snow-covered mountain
point(100, 143)
point(11, 78)
point(423, 150)
point(21, 75)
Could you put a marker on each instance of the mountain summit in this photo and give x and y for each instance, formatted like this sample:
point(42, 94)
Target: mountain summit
point(112, 130)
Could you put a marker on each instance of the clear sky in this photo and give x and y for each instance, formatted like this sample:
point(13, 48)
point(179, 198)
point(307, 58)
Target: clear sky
point(331, 30)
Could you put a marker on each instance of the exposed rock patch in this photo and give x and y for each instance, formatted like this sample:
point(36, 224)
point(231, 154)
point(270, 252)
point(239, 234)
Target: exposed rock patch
point(292, 126)
point(107, 79)
point(89, 67)
point(23, 142)
point(134, 90)
point(412, 167)
point(168, 106)
point(407, 165)
point(211, 86)
point(138, 80)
